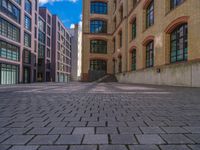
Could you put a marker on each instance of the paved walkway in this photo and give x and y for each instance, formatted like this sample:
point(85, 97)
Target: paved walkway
point(90, 116)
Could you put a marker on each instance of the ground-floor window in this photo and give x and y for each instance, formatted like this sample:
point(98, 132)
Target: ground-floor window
point(150, 55)
point(98, 65)
point(9, 74)
point(133, 60)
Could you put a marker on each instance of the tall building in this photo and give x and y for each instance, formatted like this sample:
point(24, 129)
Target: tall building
point(142, 41)
point(61, 51)
point(44, 45)
point(18, 41)
point(76, 38)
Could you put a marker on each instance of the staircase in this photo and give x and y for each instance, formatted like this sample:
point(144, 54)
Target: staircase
point(107, 79)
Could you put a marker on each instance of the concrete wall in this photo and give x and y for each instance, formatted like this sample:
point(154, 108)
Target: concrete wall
point(182, 74)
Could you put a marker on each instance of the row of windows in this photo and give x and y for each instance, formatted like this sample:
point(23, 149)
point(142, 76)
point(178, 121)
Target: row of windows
point(8, 30)
point(9, 51)
point(178, 48)
point(27, 23)
point(27, 40)
point(28, 6)
point(27, 57)
point(10, 10)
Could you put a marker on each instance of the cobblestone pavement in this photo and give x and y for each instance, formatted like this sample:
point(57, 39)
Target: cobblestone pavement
point(91, 116)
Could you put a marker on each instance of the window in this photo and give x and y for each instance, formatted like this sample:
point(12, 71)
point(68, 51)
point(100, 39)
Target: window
point(150, 55)
point(9, 74)
point(98, 8)
point(36, 5)
point(36, 19)
point(98, 46)
point(175, 3)
point(48, 30)
point(48, 53)
point(28, 6)
point(41, 25)
point(9, 30)
point(133, 60)
point(150, 14)
point(41, 37)
point(18, 1)
point(10, 10)
point(98, 65)
point(120, 64)
point(9, 51)
point(179, 44)
point(27, 40)
point(98, 26)
point(48, 42)
point(27, 57)
point(120, 39)
point(114, 45)
point(134, 29)
point(27, 23)
point(41, 50)
point(35, 32)
point(49, 19)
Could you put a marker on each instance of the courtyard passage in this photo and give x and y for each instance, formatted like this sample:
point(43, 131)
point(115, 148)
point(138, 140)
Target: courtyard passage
point(99, 116)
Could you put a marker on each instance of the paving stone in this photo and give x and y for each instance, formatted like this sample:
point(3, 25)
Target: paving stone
point(129, 130)
point(195, 147)
point(61, 130)
point(96, 124)
point(4, 147)
point(4, 137)
point(3, 130)
point(77, 124)
point(14, 131)
point(53, 148)
point(176, 139)
point(174, 130)
point(143, 147)
point(84, 130)
point(193, 129)
point(18, 139)
point(83, 147)
point(112, 147)
point(149, 139)
point(40, 131)
point(43, 139)
point(123, 139)
point(106, 130)
point(151, 130)
point(69, 139)
point(194, 137)
point(24, 148)
point(174, 147)
point(95, 139)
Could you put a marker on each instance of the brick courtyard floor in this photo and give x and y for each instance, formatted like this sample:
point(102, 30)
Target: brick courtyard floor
point(91, 116)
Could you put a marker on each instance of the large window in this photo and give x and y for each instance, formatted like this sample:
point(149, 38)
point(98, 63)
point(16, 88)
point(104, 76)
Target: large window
point(120, 39)
point(98, 65)
point(179, 44)
point(134, 29)
point(9, 51)
point(98, 46)
point(98, 8)
point(41, 25)
point(133, 60)
point(18, 1)
point(28, 6)
point(98, 26)
point(41, 37)
point(41, 50)
point(27, 23)
point(27, 57)
point(27, 40)
point(10, 10)
point(9, 74)
point(175, 3)
point(150, 14)
point(150, 54)
point(9, 30)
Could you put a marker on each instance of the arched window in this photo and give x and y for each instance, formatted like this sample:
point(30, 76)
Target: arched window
point(150, 14)
point(98, 8)
point(98, 46)
point(98, 26)
point(150, 54)
point(179, 44)
point(133, 60)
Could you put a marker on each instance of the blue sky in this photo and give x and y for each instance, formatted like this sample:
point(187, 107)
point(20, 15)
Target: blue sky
point(69, 11)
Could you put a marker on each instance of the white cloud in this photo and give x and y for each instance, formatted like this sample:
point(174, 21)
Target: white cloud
point(42, 2)
point(72, 26)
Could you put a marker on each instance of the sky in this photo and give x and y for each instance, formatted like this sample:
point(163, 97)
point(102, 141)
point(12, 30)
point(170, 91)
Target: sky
point(69, 11)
